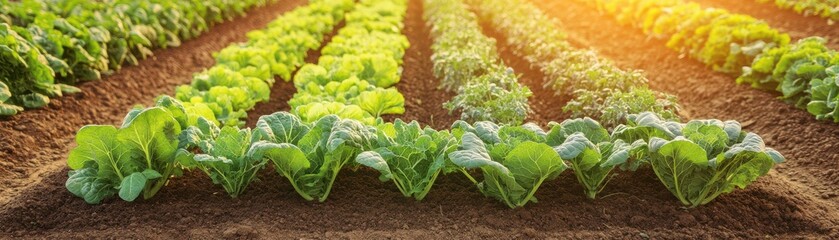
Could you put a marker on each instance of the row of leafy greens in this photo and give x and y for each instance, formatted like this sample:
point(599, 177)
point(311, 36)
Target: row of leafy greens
point(822, 8)
point(597, 88)
point(82, 40)
point(467, 62)
point(357, 70)
point(805, 73)
point(697, 161)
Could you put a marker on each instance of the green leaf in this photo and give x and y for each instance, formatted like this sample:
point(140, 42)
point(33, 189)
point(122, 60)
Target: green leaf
point(375, 161)
point(132, 186)
point(94, 143)
point(683, 168)
point(151, 174)
point(152, 136)
point(287, 158)
point(84, 183)
point(474, 154)
point(281, 127)
point(382, 101)
point(531, 163)
point(644, 126)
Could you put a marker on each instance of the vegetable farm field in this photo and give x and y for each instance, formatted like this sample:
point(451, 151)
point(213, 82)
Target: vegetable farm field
point(419, 119)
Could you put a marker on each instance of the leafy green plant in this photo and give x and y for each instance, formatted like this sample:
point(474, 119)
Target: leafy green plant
point(410, 156)
point(495, 96)
point(454, 28)
point(514, 160)
point(613, 106)
point(590, 151)
point(644, 126)
point(138, 157)
point(311, 155)
point(311, 112)
point(824, 102)
point(709, 158)
point(314, 87)
point(224, 155)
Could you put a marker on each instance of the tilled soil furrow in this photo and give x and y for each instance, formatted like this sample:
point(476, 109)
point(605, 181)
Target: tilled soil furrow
point(423, 99)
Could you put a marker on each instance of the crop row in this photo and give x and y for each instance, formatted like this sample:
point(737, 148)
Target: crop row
point(139, 156)
point(806, 73)
point(357, 70)
point(50, 45)
point(828, 9)
point(465, 60)
point(696, 161)
point(598, 89)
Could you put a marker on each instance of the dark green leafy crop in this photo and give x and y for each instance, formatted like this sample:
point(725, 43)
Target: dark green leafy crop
point(410, 156)
point(709, 158)
point(514, 160)
point(310, 155)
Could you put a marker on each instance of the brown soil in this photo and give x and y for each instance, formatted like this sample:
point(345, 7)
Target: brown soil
point(796, 25)
point(788, 203)
point(36, 142)
point(423, 99)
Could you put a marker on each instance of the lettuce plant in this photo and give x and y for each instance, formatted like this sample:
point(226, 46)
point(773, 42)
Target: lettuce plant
point(410, 156)
point(5, 95)
point(136, 158)
point(496, 96)
point(709, 158)
point(224, 155)
point(591, 153)
point(312, 112)
point(375, 101)
point(514, 160)
point(825, 95)
point(310, 155)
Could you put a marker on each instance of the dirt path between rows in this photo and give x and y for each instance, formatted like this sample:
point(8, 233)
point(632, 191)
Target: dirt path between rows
point(36, 142)
point(796, 25)
point(423, 99)
point(634, 205)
